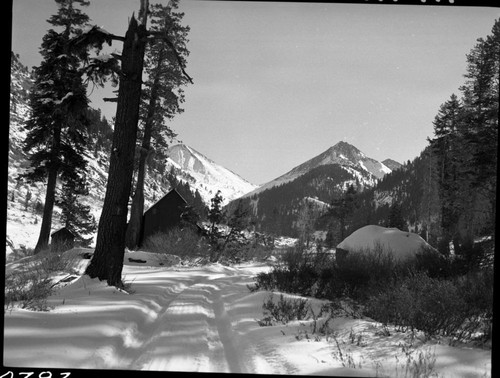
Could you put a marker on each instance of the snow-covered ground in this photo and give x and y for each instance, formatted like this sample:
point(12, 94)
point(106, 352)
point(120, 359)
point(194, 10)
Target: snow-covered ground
point(204, 319)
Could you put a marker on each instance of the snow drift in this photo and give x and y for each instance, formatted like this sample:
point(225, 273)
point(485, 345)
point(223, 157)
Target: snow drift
point(403, 245)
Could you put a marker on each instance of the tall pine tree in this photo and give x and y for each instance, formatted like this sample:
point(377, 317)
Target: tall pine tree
point(76, 216)
point(340, 210)
point(107, 261)
point(465, 146)
point(449, 155)
point(481, 100)
point(56, 131)
point(160, 100)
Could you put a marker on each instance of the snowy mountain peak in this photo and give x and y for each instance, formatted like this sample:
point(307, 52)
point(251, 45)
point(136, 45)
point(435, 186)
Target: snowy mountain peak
point(347, 150)
point(392, 164)
point(366, 169)
point(206, 176)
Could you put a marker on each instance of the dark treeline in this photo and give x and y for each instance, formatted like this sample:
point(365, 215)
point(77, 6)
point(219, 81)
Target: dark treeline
point(277, 208)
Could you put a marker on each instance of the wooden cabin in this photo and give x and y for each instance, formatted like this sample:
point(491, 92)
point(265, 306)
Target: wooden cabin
point(163, 215)
point(62, 240)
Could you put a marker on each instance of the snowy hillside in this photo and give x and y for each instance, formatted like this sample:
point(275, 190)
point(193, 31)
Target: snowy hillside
point(206, 176)
point(364, 168)
point(25, 202)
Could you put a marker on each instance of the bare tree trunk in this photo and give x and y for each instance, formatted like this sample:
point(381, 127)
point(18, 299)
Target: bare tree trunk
point(50, 196)
point(137, 209)
point(134, 228)
point(107, 262)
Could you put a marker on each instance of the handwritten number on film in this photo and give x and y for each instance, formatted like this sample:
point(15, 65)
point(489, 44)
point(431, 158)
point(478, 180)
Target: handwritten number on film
point(28, 374)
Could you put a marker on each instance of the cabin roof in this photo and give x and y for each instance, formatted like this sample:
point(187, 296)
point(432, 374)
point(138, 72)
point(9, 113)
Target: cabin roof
point(170, 194)
point(63, 230)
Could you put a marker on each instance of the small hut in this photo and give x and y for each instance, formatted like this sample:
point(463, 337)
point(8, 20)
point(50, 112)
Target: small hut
point(62, 240)
point(402, 245)
point(163, 215)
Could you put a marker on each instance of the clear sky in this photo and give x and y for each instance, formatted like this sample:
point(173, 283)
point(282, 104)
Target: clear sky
point(276, 84)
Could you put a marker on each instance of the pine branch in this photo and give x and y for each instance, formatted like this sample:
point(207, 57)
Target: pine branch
point(163, 37)
point(95, 37)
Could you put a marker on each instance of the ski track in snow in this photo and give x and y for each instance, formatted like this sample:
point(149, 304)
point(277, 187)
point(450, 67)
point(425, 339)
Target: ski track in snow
point(194, 332)
point(190, 319)
point(184, 324)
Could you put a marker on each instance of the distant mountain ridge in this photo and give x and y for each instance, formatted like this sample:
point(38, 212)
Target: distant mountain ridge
point(366, 169)
point(276, 205)
point(392, 164)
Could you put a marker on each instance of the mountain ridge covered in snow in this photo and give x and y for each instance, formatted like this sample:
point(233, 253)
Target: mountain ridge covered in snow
point(207, 176)
point(366, 169)
point(392, 164)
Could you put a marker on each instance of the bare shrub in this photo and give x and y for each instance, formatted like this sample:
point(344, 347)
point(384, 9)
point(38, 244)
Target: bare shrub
point(29, 288)
point(285, 310)
point(19, 253)
point(297, 271)
point(256, 252)
point(30, 284)
point(458, 308)
point(185, 243)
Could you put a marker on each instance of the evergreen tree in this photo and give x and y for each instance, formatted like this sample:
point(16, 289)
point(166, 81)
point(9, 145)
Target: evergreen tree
point(107, 261)
point(236, 222)
point(481, 100)
point(465, 146)
point(306, 218)
point(215, 213)
point(396, 218)
point(341, 208)
point(74, 215)
point(57, 129)
point(330, 238)
point(160, 100)
point(429, 205)
point(449, 156)
point(215, 217)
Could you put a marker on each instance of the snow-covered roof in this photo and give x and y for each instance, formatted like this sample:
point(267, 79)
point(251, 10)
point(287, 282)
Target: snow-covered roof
point(402, 244)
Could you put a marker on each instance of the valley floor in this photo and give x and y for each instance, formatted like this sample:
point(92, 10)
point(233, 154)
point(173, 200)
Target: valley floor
point(204, 319)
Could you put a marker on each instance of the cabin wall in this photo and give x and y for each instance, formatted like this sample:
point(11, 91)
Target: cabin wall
point(163, 216)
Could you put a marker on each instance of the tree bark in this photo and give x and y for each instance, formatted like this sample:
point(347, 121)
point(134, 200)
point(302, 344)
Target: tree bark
point(107, 262)
point(137, 209)
point(133, 234)
point(50, 195)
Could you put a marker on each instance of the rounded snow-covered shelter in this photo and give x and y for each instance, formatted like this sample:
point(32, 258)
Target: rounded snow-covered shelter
point(402, 244)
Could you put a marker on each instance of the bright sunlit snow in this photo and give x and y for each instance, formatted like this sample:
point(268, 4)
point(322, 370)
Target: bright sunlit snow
point(204, 319)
